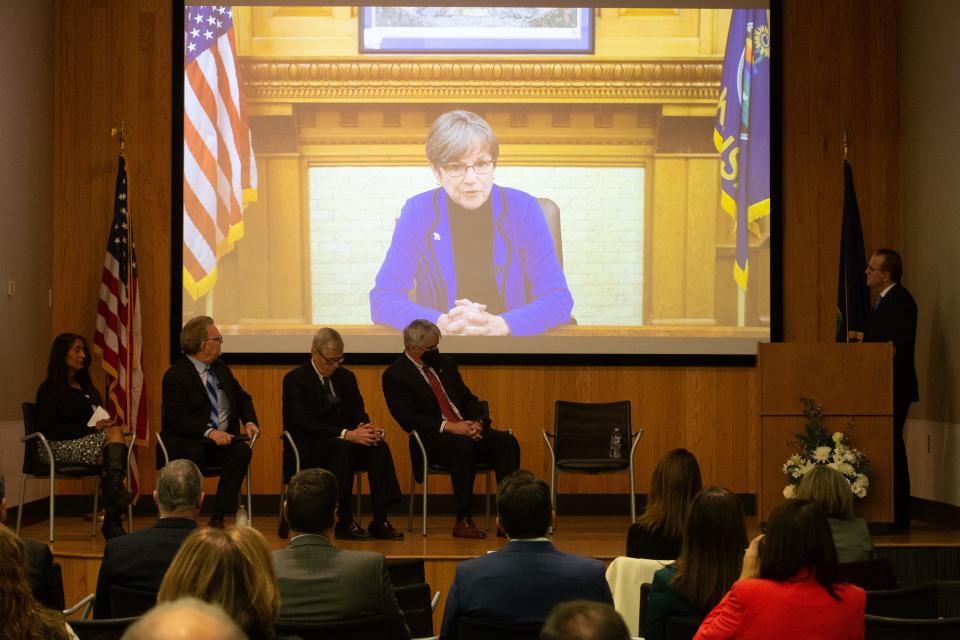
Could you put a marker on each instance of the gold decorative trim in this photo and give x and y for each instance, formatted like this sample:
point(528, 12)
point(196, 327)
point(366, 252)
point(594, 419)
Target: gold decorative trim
point(521, 80)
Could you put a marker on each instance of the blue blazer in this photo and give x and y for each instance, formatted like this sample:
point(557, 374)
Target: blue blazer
point(529, 276)
point(521, 583)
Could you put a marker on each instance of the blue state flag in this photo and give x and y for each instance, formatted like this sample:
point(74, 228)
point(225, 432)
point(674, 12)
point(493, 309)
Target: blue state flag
point(742, 133)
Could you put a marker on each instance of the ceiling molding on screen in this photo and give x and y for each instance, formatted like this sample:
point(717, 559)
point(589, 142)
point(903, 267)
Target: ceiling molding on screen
point(444, 80)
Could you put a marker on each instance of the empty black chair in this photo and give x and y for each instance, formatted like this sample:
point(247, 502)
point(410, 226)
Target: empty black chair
point(582, 434)
point(872, 575)
point(472, 628)
point(372, 628)
point(414, 601)
point(405, 571)
point(682, 628)
point(126, 602)
point(111, 629)
point(881, 628)
point(916, 602)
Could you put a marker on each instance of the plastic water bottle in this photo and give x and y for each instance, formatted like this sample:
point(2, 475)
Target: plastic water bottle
point(615, 440)
point(242, 519)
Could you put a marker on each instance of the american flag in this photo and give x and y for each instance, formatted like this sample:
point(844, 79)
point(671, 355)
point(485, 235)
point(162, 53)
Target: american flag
point(119, 339)
point(219, 168)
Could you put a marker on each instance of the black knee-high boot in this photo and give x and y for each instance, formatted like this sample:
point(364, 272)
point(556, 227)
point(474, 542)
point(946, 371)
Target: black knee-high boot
point(115, 496)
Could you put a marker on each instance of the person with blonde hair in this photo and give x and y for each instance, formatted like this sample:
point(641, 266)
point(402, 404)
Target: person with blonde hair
point(827, 487)
point(231, 568)
point(23, 617)
point(658, 531)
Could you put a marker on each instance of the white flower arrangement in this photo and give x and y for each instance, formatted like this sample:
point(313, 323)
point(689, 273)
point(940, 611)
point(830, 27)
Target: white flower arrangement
point(818, 447)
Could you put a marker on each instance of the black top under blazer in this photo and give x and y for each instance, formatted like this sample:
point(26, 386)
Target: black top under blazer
point(63, 411)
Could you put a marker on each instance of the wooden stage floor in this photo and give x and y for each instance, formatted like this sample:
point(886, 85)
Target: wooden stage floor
point(601, 537)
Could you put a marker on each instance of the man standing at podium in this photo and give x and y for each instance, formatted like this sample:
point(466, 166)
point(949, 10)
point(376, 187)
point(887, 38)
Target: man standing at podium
point(894, 319)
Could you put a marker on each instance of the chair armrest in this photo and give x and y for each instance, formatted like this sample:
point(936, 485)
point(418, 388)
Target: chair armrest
point(163, 449)
point(636, 439)
point(36, 435)
point(293, 445)
point(256, 436)
point(86, 603)
point(416, 438)
point(546, 438)
point(434, 601)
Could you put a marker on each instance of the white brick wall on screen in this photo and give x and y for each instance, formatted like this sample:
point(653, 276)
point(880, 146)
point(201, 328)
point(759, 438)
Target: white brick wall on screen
point(353, 209)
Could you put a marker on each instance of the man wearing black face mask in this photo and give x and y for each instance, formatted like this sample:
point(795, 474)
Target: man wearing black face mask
point(424, 391)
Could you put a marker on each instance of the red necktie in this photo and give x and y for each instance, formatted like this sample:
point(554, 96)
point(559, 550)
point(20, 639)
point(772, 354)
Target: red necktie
point(449, 414)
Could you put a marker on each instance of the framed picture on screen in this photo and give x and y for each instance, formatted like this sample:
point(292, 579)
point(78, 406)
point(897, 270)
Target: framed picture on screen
point(561, 30)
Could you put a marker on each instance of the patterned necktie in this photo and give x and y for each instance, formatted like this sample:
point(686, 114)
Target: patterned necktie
point(446, 409)
point(212, 395)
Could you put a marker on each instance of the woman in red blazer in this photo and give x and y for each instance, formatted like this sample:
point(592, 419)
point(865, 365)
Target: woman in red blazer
point(788, 585)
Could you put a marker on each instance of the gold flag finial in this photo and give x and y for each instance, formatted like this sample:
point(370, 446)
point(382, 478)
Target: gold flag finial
point(121, 132)
point(846, 148)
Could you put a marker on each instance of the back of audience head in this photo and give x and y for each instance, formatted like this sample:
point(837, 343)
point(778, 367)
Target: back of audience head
point(711, 554)
point(184, 618)
point(312, 501)
point(21, 616)
point(798, 539)
point(523, 502)
point(674, 483)
point(584, 620)
point(229, 567)
point(3, 499)
point(179, 488)
point(828, 488)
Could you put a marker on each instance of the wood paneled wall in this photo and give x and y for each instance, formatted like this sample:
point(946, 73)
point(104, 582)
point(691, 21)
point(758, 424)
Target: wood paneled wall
point(838, 74)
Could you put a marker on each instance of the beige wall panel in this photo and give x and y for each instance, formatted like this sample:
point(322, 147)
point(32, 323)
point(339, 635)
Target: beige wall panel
point(669, 235)
point(701, 264)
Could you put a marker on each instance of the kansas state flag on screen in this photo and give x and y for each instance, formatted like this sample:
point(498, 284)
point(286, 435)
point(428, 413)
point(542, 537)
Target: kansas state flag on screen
point(742, 133)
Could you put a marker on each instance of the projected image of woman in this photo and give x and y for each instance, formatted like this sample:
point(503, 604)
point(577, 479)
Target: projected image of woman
point(478, 256)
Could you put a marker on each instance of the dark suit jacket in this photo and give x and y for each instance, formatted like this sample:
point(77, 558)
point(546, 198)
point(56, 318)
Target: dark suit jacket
point(307, 409)
point(322, 583)
point(521, 583)
point(895, 319)
point(139, 560)
point(46, 586)
point(411, 400)
point(185, 411)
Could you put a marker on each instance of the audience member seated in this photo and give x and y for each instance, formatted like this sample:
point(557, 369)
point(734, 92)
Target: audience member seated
point(138, 561)
point(39, 563)
point(66, 403)
point(788, 586)
point(711, 557)
point(231, 568)
point(584, 620)
point(658, 531)
point(319, 582)
point(184, 618)
point(21, 616)
point(827, 487)
point(523, 581)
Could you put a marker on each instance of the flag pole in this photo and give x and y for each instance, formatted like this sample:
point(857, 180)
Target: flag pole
point(846, 290)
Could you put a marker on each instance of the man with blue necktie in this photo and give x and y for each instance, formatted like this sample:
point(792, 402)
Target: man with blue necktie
point(206, 416)
point(894, 319)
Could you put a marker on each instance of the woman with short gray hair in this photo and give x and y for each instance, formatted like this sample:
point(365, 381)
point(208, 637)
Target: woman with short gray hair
point(479, 257)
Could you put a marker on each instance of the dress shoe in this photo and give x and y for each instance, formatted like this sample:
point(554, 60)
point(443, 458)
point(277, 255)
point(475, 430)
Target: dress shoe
point(351, 531)
point(283, 529)
point(216, 520)
point(384, 531)
point(466, 529)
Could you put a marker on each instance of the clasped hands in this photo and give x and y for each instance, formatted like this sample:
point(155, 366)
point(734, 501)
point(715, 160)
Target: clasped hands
point(365, 434)
point(467, 318)
point(469, 428)
point(222, 438)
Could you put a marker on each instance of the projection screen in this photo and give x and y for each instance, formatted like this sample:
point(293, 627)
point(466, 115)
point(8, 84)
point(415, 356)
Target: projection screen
point(592, 180)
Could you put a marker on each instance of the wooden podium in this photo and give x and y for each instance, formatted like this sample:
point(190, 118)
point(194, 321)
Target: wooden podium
point(854, 384)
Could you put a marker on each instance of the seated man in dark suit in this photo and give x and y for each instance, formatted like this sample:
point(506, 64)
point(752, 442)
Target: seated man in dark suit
point(47, 587)
point(424, 391)
point(522, 582)
point(323, 411)
point(205, 410)
point(139, 560)
point(320, 582)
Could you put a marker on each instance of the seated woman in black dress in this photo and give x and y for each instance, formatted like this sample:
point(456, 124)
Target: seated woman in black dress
point(658, 531)
point(66, 401)
point(711, 557)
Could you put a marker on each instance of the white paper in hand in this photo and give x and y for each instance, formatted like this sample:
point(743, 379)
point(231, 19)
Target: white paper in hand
point(98, 414)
